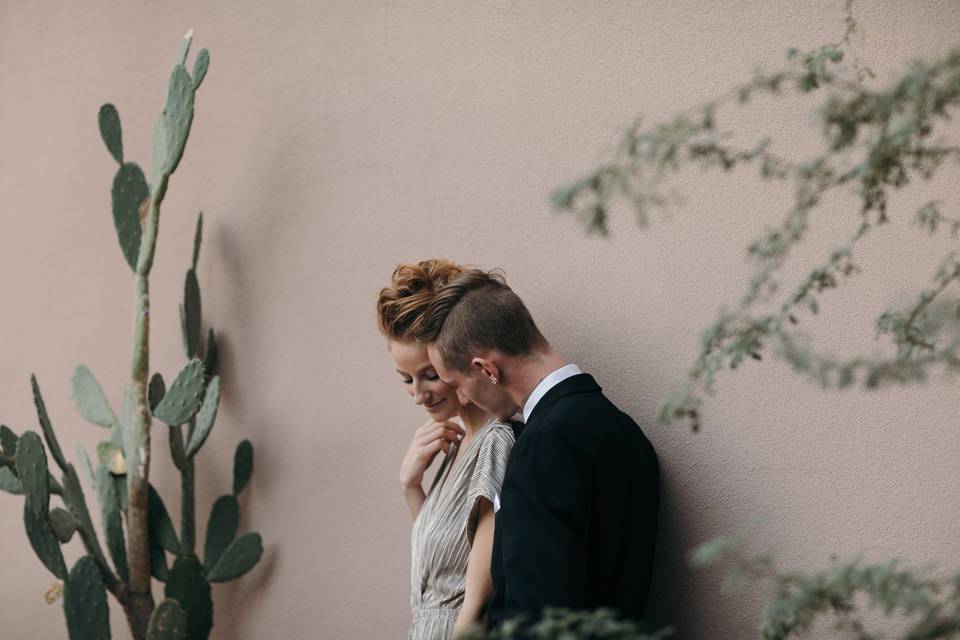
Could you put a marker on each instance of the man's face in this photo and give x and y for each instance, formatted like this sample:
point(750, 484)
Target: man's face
point(474, 385)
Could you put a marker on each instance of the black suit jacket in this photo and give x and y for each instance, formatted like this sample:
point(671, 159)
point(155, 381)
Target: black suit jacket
point(578, 514)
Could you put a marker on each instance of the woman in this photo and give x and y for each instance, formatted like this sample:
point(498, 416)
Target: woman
point(452, 537)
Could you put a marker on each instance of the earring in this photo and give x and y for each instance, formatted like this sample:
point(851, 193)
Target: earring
point(493, 380)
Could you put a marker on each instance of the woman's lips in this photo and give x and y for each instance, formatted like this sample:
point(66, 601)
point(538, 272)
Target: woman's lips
point(430, 407)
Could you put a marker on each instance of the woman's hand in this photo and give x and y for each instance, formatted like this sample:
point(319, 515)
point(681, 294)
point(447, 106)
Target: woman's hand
point(429, 440)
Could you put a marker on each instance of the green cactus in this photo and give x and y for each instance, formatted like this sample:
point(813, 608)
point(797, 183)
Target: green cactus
point(156, 390)
point(87, 467)
point(63, 524)
point(199, 73)
point(168, 622)
point(89, 400)
point(111, 456)
point(85, 602)
point(210, 355)
point(112, 521)
point(161, 527)
point(221, 529)
point(205, 417)
point(190, 315)
point(43, 541)
point(130, 192)
point(241, 556)
point(110, 131)
point(188, 586)
point(184, 396)
point(242, 466)
point(138, 530)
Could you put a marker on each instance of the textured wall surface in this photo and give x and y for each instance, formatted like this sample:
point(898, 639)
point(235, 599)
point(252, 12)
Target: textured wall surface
point(334, 139)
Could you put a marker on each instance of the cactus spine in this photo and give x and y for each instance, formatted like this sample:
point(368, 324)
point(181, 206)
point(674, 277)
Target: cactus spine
point(121, 478)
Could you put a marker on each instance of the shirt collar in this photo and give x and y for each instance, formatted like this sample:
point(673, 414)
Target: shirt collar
point(545, 385)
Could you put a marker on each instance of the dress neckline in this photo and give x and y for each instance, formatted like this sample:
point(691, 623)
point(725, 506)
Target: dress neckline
point(450, 461)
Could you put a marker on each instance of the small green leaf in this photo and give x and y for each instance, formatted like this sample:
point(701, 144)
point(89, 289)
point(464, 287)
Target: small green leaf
point(197, 239)
point(156, 390)
point(85, 602)
point(89, 399)
point(200, 68)
point(9, 482)
point(44, 543)
point(161, 527)
point(241, 556)
point(221, 529)
point(205, 417)
point(168, 622)
point(184, 396)
point(62, 523)
point(187, 585)
point(45, 425)
point(128, 194)
point(31, 462)
point(190, 315)
point(109, 121)
point(242, 466)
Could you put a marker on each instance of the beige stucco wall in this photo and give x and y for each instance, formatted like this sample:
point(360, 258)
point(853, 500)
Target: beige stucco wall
point(334, 139)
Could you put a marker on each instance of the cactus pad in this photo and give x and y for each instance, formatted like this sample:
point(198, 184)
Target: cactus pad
point(44, 543)
point(48, 433)
point(156, 390)
point(62, 523)
point(9, 482)
point(112, 521)
point(85, 602)
point(89, 400)
point(205, 417)
point(221, 529)
point(183, 397)
point(168, 622)
point(241, 556)
point(8, 441)
point(242, 466)
point(210, 355)
point(190, 315)
point(200, 68)
point(32, 471)
point(110, 131)
point(187, 586)
point(127, 196)
point(161, 527)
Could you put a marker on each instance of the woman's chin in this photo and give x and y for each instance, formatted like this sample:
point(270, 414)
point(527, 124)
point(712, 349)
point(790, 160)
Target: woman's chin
point(441, 411)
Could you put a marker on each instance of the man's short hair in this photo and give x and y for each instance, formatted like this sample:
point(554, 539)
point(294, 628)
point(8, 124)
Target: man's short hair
point(477, 311)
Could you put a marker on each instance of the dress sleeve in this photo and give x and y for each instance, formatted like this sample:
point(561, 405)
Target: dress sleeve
point(487, 477)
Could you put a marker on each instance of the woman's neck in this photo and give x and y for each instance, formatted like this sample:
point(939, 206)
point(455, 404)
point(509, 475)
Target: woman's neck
point(474, 418)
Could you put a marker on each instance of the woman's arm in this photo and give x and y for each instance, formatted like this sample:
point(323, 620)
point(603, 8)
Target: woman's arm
point(479, 581)
point(428, 441)
point(415, 498)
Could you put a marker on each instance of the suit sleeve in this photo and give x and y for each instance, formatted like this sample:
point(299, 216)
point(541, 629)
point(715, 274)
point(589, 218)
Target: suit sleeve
point(545, 545)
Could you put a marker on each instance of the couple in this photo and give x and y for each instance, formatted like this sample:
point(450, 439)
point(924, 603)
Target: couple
point(560, 511)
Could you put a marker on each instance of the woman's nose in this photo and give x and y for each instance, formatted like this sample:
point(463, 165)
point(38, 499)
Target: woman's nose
point(419, 394)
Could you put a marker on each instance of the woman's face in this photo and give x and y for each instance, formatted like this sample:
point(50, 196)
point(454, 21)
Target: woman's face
point(421, 380)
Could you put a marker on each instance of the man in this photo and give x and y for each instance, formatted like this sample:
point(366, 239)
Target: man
point(578, 508)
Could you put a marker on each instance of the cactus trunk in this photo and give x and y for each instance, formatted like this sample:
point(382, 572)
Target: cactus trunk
point(139, 606)
point(188, 526)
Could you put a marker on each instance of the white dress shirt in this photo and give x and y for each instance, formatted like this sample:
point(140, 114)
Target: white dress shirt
point(545, 385)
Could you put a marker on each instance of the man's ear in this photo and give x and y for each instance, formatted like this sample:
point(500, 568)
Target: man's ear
point(486, 368)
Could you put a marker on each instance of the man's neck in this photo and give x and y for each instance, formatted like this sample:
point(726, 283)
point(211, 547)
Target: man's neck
point(530, 372)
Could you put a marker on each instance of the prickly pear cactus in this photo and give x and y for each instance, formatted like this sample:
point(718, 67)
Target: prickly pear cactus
point(135, 522)
point(85, 602)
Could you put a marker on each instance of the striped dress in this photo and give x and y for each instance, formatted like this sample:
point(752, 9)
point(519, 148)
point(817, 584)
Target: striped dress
point(444, 528)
